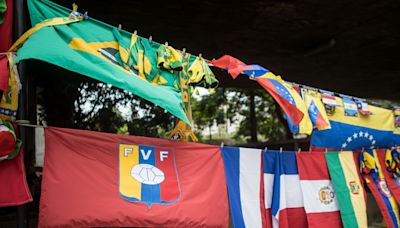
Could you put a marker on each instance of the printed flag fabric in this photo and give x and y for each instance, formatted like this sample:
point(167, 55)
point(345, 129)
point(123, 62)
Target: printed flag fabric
point(244, 179)
point(99, 51)
point(389, 160)
point(99, 179)
point(316, 109)
point(269, 159)
point(375, 180)
point(287, 207)
point(320, 198)
point(235, 67)
point(349, 190)
point(355, 133)
point(290, 101)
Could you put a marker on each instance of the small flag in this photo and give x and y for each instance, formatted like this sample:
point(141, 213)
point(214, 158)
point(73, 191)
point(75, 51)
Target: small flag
point(316, 109)
point(350, 107)
point(373, 176)
point(243, 177)
point(287, 200)
point(320, 198)
point(362, 106)
point(350, 192)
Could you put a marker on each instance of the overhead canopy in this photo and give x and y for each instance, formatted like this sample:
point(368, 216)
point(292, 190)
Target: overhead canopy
point(348, 47)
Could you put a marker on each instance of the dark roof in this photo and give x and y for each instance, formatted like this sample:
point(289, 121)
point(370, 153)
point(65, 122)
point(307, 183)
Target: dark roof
point(350, 47)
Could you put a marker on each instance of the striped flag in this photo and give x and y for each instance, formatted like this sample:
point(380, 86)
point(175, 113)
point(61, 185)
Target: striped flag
point(388, 160)
point(373, 176)
point(349, 190)
point(243, 176)
point(287, 200)
point(269, 159)
point(320, 200)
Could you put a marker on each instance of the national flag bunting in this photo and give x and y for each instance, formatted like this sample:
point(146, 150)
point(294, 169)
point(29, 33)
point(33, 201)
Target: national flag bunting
point(355, 133)
point(93, 179)
point(316, 109)
point(348, 187)
point(373, 176)
point(320, 198)
point(389, 160)
point(287, 205)
point(244, 179)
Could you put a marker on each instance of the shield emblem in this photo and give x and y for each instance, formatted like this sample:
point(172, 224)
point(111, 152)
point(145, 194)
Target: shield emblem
point(148, 174)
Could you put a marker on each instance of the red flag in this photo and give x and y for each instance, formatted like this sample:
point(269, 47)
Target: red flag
point(233, 65)
point(100, 179)
point(5, 44)
point(14, 190)
point(320, 202)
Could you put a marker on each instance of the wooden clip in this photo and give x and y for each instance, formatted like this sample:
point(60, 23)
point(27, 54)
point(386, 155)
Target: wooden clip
point(150, 38)
point(266, 148)
point(166, 44)
point(280, 149)
point(183, 51)
point(200, 56)
point(298, 151)
point(135, 32)
point(222, 145)
point(119, 27)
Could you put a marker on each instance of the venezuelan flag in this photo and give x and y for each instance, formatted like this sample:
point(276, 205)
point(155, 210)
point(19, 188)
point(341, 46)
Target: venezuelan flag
point(355, 133)
point(316, 109)
point(373, 175)
point(349, 190)
point(289, 100)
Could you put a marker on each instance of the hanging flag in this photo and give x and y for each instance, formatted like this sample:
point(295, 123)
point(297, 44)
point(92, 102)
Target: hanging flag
point(6, 26)
point(14, 190)
point(329, 100)
point(3, 8)
point(269, 160)
point(287, 200)
point(349, 190)
point(389, 160)
point(350, 107)
point(320, 198)
point(373, 176)
point(316, 109)
point(290, 102)
point(243, 177)
point(118, 180)
point(355, 133)
point(362, 106)
point(94, 49)
point(235, 67)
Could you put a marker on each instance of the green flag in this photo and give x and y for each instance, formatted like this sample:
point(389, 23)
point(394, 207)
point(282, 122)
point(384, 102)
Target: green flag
point(3, 8)
point(96, 50)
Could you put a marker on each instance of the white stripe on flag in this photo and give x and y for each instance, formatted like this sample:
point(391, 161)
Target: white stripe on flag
point(39, 146)
point(292, 191)
point(249, 183)
point(319, 196)
point(268, 189)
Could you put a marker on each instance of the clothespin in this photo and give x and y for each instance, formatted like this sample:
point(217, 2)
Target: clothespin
point(266, 148)
point(119, 27)
point(166, 44)
point(135, 32)
point(150, 39)
point(298, 151)
point(222, 145)
point(280, 149)
point(85, 15)
point(183, 51)
point(200, 56)
point(326, 150)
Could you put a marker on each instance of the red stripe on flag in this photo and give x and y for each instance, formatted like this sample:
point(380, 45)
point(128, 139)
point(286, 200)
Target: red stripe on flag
point(293, 217)
point(169, 188)
point(291, 110)
point(308, 169)
point(268, 218)
point(324, 219)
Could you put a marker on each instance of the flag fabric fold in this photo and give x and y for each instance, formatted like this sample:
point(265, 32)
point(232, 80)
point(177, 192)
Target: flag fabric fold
point(320, 198)
point(348, 187)
point(244, 179)
point(287, 200)
point(99, 179)
point(375, 180)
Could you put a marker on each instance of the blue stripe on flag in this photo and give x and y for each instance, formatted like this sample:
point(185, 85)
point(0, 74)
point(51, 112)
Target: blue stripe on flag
point(150, 193)
point(231, 157)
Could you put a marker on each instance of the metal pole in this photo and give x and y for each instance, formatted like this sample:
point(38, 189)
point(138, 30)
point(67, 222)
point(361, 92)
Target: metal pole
point(253, 121)
point(20, 11)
